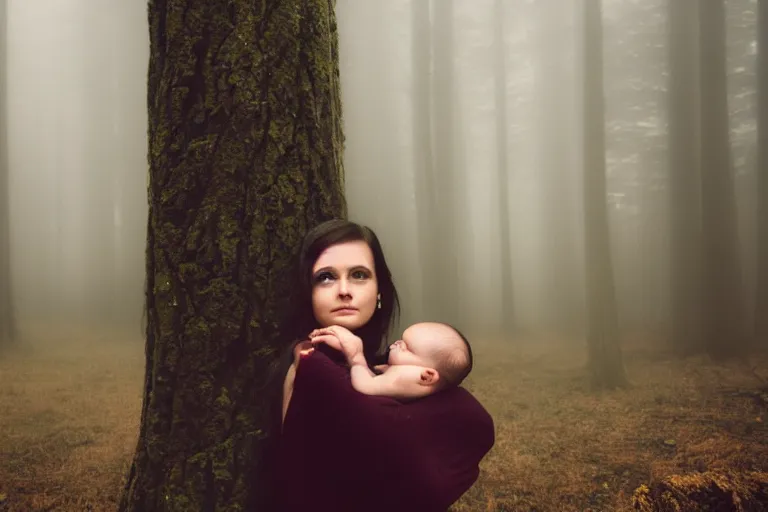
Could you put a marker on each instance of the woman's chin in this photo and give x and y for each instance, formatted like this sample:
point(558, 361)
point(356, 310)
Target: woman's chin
point(348, 323)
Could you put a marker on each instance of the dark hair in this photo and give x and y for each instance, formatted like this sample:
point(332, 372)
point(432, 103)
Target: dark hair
point(300, 319)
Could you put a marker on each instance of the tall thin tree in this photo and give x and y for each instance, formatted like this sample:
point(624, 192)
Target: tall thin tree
point(435, 155)
point(7, 322)
point(245, 154)
point(555, 155)
point(684, 181)
point(423, 164)
point(447, 155)
point(502, 165)
point(605, 360)
point(761, 299)
point(723, 317)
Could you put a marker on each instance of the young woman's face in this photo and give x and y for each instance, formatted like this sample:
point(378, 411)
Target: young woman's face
point(344, 286)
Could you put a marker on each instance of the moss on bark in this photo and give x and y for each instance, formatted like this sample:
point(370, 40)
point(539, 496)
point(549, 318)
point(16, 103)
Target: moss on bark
point(245, 148)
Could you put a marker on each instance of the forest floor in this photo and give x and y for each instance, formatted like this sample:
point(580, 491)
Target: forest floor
point(69, 414)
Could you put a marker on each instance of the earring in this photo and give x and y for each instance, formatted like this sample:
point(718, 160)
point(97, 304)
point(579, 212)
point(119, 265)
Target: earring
point(378, 301)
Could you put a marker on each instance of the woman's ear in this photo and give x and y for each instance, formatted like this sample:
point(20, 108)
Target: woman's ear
point(429, 377)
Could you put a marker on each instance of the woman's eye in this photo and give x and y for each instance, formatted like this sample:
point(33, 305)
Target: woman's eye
point(323, 277)
point(359, 274)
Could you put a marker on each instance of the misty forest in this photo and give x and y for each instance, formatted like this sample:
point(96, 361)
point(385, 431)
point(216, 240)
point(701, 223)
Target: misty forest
point(580, 186)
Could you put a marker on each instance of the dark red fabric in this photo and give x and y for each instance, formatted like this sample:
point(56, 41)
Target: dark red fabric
point(341, 450)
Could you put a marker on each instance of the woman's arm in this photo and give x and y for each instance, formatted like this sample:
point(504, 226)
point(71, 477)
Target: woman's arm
point(300, 350)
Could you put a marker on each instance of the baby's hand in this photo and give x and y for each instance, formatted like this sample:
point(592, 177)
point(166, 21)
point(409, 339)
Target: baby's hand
point(339, 338)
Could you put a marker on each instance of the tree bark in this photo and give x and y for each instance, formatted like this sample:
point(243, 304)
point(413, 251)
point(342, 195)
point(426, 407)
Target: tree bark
point(723, 322)
point(502, 165)
point(423, 165)
point(684, 178)
point(605, 360)
point(555, 156)
point(7, 321)
point(245, 150)
point(447, 154)
point(761, 299)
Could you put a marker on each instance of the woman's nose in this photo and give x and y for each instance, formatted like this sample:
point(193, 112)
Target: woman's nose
point(343, 288)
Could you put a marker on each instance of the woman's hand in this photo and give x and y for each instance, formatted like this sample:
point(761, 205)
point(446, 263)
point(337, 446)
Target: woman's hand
point(341, 339)
point(302, 349)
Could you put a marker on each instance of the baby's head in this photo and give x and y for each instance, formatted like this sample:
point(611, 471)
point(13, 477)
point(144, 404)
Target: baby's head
point(442, 351)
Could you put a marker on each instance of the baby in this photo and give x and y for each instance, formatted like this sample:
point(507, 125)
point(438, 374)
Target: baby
point(430, 357)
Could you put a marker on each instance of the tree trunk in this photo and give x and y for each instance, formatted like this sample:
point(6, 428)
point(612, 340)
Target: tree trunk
point(605, 361)
point(245, 155)
point(723, 310)
point(7, 324)
point(761, 299)
point(423, 165)
point(101, 167)
point(445, 116)
point(555, 156)
point(502, 165)
point(684, 183)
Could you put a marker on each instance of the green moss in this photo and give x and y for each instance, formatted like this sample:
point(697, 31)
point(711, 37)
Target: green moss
point(244, 113)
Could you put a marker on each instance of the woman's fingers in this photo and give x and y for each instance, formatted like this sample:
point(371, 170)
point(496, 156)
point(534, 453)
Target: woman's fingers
point(328, 339)
point(321, 331)
point(323, 338)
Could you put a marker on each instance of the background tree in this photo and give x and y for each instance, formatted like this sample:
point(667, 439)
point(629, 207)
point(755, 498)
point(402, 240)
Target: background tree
point(424, 167)
point(446, 116)
point(245, 154)
point(7, 326)
point(500, 91)
point(555, 158)
point(684, 182)
point(761, 298)
point(723, 326)
point(605, 362)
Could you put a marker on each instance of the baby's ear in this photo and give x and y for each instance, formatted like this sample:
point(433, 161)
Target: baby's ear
point(429, 377)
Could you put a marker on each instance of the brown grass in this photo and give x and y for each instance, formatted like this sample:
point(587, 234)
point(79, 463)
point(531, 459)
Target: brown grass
point(69, 415)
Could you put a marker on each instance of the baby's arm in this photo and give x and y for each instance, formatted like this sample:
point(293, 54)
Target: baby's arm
point(400, 382)
point(363, 379)
point(367, 382)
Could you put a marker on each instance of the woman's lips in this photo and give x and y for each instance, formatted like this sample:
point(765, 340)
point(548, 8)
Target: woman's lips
point(345, 311)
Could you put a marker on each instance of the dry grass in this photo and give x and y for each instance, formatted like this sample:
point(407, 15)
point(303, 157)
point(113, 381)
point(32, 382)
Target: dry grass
point(561, 447)
point(69, 418)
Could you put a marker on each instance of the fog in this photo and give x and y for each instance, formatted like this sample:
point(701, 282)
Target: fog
point(76, 125)
point(467, 125)
point(385, 86)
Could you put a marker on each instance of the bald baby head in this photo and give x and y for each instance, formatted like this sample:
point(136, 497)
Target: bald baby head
point(435, 345)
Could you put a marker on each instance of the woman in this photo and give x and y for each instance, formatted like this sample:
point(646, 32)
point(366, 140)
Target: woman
point(343, 451)
point(371, 295)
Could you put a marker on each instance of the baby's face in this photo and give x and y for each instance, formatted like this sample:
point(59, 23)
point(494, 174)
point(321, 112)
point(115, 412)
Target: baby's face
point(418, 346)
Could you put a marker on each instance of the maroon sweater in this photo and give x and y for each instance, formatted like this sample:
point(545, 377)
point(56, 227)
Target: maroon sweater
point(342, 451)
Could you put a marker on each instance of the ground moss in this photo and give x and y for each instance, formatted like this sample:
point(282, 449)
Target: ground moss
point(732, 491)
